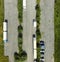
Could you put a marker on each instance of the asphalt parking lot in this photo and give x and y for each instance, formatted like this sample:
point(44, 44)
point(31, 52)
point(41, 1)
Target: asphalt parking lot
point(28, 16)
point(11, 14)
point(47, 28)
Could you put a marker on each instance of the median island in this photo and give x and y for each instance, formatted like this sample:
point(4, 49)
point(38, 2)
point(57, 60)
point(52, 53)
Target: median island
point(21, 55)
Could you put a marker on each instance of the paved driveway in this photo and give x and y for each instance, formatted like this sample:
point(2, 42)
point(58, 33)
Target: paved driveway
point(47, 28)
point(28, 16)
point(11, 15)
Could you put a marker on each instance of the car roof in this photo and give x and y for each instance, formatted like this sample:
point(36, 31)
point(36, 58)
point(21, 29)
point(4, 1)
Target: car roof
point(41, 41)
point(42, 52)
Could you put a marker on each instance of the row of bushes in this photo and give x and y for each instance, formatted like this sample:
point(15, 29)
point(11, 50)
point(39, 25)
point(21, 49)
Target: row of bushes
point(20, 11)
point(57, 30)
point(22, 55)
point(38, 34)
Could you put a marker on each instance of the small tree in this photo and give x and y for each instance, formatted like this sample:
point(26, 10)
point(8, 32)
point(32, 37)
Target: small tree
point(24, 55)
point(20, 35)
point(37, 6)
point(38, 32)
point(20, 28)
point(16, 55)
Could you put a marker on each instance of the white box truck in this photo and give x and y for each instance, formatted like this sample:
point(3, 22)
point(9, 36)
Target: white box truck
point(5, 31)
point(24, 4)
point(5, 37)
point(34, 41)
point(35, 55)
point(5, 26)
point(34, 47)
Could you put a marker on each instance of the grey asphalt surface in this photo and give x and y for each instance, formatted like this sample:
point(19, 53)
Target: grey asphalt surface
point(47, 28)
point(28, 16)
point(11, 14)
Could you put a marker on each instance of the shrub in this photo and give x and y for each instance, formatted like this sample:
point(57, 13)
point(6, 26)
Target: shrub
point(37, 6)
point(20, 28)
point(38, 45)
point(38, 33)
point(20, 35)
point(16, 55)
point(24, 54)
point(20, 41)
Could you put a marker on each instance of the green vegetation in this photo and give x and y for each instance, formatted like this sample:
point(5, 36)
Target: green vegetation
point(22, 55)
point(2, 57)
point(20, 10)
point(38, 34)
point(57, 30)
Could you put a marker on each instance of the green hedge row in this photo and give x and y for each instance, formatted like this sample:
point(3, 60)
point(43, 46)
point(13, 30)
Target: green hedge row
point(20, 10)
point(38, 34)
point(22, 55)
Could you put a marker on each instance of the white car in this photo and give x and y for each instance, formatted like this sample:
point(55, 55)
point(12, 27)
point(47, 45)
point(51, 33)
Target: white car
point(34, 23)
point(42, 50)
point(42, 59)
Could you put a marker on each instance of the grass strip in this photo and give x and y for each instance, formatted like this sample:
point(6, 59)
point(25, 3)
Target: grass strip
point(2, 57)
point(57, 30)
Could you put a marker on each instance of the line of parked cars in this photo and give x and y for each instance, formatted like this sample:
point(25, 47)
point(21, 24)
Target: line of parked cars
point(42, 51)
point(42, 46)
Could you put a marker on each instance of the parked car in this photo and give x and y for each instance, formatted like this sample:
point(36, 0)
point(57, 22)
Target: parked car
point(41, 42)
point(34, 48)
point(42, 53)
point(42, 50)
point(42, 58)
point(42, 45)
point(41, 61)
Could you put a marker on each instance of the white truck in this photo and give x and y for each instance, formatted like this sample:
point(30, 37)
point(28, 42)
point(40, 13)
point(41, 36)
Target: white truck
point(5, 26)
point(5, 37)
point(5, 31)
point(34, 47)
point(24, 4)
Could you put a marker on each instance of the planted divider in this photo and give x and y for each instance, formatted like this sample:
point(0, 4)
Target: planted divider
point(22, 55)
point(38, 34)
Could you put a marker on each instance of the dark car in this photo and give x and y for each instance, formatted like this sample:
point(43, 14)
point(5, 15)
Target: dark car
point(41, 42)
point(42, 45)
point(42, 53)
point(42, 59)
point(42, 50)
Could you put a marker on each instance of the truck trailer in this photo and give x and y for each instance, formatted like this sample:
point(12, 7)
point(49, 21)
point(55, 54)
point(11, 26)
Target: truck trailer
point(5, 26)
point(24, 4)
point(5, 31)
point(5, 37)
point(34, 48)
